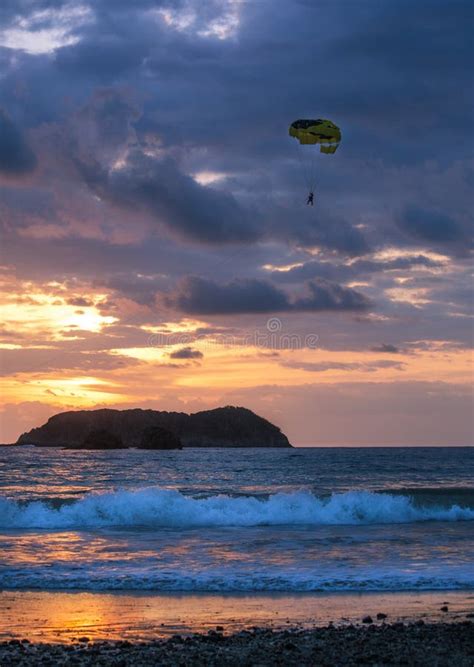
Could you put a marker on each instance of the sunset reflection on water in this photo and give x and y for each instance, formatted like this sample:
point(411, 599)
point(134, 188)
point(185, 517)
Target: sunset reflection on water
point(146, 530)
point(65, 617)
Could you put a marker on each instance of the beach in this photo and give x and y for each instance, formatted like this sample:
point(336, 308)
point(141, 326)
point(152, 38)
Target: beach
point(146, 629)
point(64, 617)
point(216, 557)
point(398, 644)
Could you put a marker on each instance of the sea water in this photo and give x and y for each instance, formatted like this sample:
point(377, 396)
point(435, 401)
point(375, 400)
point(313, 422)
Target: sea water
point(227, 520)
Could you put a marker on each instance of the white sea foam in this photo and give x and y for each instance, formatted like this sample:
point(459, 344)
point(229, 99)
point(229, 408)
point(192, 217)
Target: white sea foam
point(155, 507)
point(92, 578)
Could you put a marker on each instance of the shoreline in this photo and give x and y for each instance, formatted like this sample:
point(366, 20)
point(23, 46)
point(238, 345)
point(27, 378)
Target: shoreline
point(63, 617)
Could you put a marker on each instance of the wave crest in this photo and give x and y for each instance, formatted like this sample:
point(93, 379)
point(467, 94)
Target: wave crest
point(155, 507)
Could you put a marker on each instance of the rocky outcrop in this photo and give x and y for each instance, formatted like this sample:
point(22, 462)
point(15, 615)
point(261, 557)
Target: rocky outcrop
point(157, 437)
point(222, 427)
point(101, 439)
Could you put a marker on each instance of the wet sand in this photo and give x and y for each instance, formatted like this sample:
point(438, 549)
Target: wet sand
point(64, 617)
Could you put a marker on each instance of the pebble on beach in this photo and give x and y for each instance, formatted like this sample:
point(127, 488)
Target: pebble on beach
point(437, 644)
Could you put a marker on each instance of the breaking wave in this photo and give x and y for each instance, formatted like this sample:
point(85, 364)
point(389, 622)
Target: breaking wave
point(154, 507)
point(92, 579)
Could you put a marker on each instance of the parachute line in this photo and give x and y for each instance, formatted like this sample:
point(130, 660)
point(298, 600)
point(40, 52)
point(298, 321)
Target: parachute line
point(308, 132)
point(308, 168)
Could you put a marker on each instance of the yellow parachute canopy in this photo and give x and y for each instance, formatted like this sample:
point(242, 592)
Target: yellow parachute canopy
point(319, 131)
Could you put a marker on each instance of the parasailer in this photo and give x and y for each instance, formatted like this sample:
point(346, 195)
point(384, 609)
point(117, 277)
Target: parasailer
point(320, 131)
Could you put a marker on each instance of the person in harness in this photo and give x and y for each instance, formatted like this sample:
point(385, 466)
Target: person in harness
point(310, 200)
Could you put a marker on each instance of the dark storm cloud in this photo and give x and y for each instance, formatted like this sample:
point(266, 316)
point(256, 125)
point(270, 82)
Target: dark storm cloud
point(435, 39)
point(225, 105)
point(401, 61)
point(103, 58)
point(102, 144)
point(186, 353)
point(323, 230)
point(326, 295)
point(198, 87)
point(331, 270)
point(197, 295)
point(434, 226)
point(382, 74)
point(138, 288)
point(416, 57)
point(159, 188)
point(16, 157)
point(103, 125)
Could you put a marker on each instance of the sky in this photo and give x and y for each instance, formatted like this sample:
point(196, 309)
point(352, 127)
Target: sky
point(157, 250)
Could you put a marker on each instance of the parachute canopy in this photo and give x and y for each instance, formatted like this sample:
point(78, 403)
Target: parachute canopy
point(319, 131)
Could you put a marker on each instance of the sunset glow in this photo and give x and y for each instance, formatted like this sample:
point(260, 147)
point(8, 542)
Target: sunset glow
point(236, 327)
point(157, 247)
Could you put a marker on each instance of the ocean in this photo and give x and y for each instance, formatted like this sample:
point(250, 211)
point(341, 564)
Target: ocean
point(237, 520)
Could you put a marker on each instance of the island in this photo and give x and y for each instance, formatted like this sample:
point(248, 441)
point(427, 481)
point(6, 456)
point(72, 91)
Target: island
point(228, 426)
